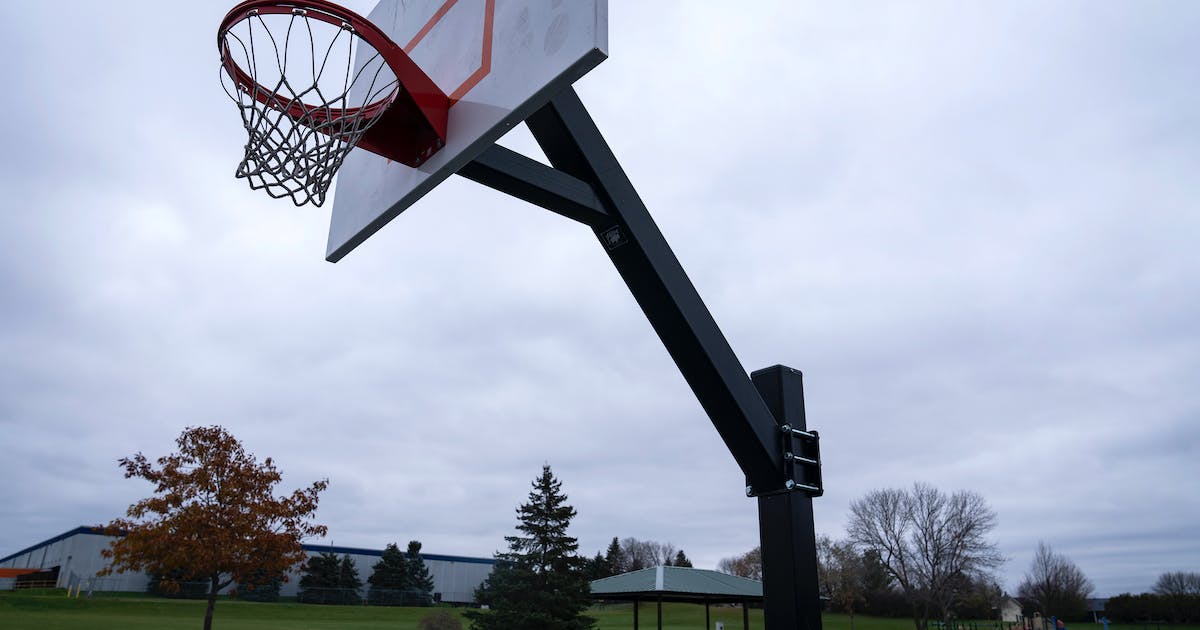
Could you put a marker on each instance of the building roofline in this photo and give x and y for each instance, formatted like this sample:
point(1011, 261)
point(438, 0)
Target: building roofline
point(82, 529)
point(358, 551)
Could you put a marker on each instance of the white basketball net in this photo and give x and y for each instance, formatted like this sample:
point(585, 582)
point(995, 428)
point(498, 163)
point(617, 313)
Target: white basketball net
point(305, 109)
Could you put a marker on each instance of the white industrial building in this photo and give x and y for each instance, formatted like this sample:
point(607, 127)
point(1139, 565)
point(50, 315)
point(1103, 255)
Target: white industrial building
point(73, 558)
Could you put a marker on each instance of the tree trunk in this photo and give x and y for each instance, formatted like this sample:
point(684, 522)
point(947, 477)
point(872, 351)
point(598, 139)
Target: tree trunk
point(920, 617)
point(212, 602)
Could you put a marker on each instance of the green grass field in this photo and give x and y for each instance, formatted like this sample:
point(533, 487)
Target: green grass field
point(53, 610)
point(20, 611)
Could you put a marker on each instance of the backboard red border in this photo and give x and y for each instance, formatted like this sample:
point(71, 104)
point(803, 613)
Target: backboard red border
point(485, 56)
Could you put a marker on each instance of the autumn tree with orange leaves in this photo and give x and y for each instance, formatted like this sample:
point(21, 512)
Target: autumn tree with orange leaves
point(213, 517)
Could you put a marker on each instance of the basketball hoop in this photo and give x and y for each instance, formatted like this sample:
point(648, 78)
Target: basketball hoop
point(305, 104)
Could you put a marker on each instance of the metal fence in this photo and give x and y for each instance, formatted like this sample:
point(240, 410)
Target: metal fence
point(85, 586)
point(366, 596)
point(21, 585)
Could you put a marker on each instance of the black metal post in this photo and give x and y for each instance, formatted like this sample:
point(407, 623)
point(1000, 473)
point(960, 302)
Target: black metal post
point(785, 521)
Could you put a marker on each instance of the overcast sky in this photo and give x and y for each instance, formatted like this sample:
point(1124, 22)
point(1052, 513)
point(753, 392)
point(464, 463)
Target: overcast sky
point(973, 226)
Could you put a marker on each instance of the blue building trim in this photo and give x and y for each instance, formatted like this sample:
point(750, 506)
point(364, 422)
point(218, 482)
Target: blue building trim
point(82, 529)
point(378, 553)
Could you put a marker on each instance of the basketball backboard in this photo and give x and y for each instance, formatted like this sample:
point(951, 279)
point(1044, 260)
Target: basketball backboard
point(497, 60)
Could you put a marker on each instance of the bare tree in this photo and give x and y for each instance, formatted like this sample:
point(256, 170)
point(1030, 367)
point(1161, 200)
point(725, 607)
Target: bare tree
point(841, 575)
point(1178, 583)
point(1057, 585)
point(666, 553)
point(635, 555)
point(642, 554)
point(747, 565)
point(927, 540)
point(825, 564)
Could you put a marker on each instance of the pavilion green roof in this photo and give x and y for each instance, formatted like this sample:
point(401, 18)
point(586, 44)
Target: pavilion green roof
point(678, 583)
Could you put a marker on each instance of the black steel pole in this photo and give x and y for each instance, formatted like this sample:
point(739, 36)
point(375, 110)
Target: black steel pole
point(785, 521)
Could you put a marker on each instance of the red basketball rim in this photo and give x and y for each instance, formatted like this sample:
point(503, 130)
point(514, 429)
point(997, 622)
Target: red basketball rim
point(329, 13)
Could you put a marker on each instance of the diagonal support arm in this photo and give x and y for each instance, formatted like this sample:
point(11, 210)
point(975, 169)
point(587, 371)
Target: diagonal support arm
point(510, 172)
point(570, 139)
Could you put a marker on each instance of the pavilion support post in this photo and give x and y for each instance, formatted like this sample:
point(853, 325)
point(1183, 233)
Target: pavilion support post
point(707, 621)
point(745, 616)
point(660, 612)
point(636, 606)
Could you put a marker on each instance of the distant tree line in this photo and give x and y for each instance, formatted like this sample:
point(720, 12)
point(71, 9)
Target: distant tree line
point(924, 553)
point(1127, 608)
point(631, 554)
point(1175, 599)
point(398, 579)
point(917, 552)
point(747, 565)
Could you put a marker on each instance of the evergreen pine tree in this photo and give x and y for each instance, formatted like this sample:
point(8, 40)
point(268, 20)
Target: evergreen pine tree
point(419, 587)
point(597, 567)
point(388, 578)
point(318, 584)
point(539, 583)
point(187, 589)
point(681, 560)
point(614, 558)
point(348, 582)
point(261, 587)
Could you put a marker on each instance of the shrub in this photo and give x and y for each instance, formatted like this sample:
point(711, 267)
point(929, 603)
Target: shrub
point(1128, 608)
